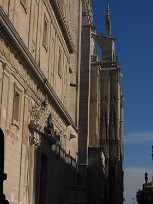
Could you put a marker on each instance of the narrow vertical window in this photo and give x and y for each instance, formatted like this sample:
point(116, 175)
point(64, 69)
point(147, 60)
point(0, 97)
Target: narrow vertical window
point(60, 64)
point(45, 33)
point(16, 105)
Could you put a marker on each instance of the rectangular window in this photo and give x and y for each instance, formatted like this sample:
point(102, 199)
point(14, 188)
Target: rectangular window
point(16, 105)
point(60, 63)
point(45, 33)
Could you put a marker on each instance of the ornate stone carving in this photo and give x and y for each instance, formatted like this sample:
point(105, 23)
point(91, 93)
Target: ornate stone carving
point(35, 139)
point(41, 122)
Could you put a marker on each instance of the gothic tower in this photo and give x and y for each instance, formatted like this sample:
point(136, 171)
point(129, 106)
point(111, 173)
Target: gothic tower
point(111, 116)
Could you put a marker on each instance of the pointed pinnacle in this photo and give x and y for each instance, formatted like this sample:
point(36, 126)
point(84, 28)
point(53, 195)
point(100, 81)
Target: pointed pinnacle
point(108, 22)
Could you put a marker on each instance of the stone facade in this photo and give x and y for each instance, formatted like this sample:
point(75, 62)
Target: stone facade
point(58, 102)
point(39, 72)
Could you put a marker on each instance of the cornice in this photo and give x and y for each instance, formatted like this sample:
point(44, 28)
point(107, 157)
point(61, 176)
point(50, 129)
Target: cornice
point(63, 25)
point(10, 35)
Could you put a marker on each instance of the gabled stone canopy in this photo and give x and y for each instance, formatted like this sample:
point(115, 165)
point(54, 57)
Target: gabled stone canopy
point(41, 122)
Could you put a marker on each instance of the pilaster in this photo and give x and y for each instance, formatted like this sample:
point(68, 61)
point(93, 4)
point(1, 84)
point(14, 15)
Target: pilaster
point(4, 94)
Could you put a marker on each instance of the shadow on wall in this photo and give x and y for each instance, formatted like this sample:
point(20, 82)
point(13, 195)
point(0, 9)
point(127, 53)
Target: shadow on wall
point(3, 176)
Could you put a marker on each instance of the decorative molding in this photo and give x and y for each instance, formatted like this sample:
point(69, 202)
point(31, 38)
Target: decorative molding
point(24, 4)
point(27, 94)
point(41, 122)
point(87, 13)
point(63, 25)
point(6, 69)
point(72, 136)
point(34, 139)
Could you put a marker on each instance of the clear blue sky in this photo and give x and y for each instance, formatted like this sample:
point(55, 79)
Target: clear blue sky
point(132, 25)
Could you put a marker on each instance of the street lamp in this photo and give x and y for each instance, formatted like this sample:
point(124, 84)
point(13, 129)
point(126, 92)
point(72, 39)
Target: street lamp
point(152, 152)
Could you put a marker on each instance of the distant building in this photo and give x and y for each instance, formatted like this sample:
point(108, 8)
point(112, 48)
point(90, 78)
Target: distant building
point(61, 107)
point(145, 196)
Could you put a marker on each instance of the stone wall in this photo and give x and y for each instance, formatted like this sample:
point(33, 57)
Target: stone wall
point(33, 66)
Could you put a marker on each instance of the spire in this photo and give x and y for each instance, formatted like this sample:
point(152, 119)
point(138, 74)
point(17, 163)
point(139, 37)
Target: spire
point(108, 22)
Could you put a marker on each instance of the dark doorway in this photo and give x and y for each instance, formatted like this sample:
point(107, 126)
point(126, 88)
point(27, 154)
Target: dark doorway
point(1, 151)
point(43, 180)
point(2, 174)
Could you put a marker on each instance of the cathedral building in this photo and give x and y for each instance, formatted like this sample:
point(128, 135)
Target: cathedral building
point(100, 142)
point(61, 106)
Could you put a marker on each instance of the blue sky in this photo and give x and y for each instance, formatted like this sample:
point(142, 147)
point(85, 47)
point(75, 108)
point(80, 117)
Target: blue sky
point(132, 25)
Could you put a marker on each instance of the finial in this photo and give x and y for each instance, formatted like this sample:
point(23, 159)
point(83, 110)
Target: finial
point(108, 22)
point(146, 177)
